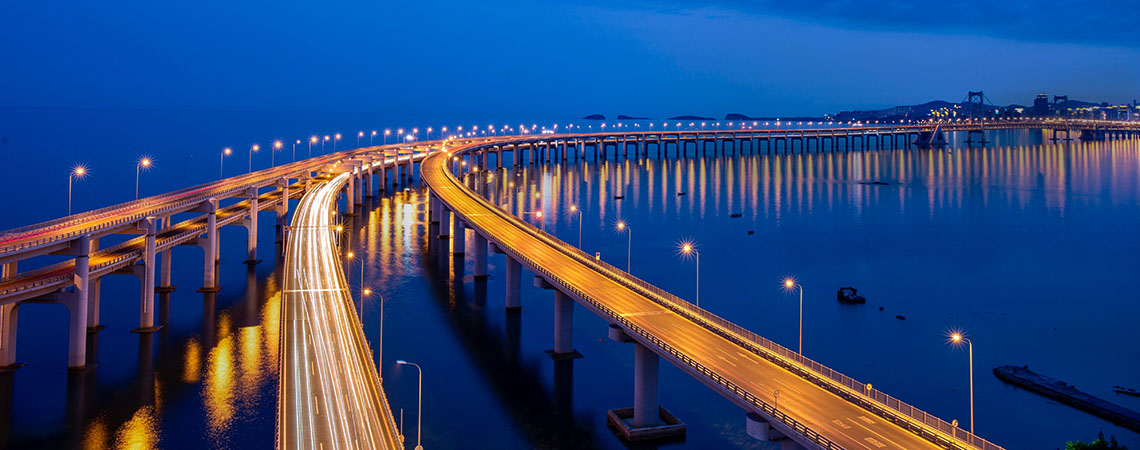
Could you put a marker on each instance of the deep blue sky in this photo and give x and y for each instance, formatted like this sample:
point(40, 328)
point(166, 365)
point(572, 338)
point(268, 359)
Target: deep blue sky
point(448, 61)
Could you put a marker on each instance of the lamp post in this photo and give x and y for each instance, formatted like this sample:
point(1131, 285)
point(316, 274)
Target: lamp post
point(327, 137)
point(277, 145)
point(294, 158)
point(359, 135)
point(688, 248)
point(252, 149)
point(312, 140)
point(792, 284)
point(336, 138)
point(958, 338)
point(621, 226)
point(573, 209)
point(222, 164)
point(143, 164)
point(76, 172)
point(371, 137)
point(420, 408)
point(386, 133)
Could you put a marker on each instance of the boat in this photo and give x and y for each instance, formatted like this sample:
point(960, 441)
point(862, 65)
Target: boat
point(1125, 390)
point(849, 295)
point(735, 215)
point(618, 197)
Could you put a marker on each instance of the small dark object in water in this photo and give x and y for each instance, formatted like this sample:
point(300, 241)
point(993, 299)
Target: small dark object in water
point(1125, 390)
point(849, 295)
point(751, 232)
point(735, 215)
point(619, 197)
point(900, 317)
point(875, 183)
point(681, 193)
point(880, 308)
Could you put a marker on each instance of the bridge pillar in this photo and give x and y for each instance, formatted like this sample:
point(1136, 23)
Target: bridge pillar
point(146, 310)
point(282, 210)
point(645, 406)
point(164, 276)
point(358, 196)
point(514, 273)
point(8, 335)
point(480, 249)
point(76, 304)
point(8, 271)
point(210, 248)
point(369, 181)
point(563, 327)
point(382, 176)
point(444, 221)
point(250, 223)
point(458, 238)
point(433, 208)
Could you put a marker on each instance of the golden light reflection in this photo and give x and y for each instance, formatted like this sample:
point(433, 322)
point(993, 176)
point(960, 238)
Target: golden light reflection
point(140, 432)
point(218, 392)
point(96, 436)
point(192, 364)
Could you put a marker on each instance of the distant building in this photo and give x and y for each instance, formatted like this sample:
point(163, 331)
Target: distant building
point(1041, 105)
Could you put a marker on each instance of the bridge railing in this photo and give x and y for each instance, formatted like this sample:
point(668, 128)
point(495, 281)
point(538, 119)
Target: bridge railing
point(876, 401)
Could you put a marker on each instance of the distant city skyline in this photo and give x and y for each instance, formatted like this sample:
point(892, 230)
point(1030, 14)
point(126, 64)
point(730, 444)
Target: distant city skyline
point(456, 61)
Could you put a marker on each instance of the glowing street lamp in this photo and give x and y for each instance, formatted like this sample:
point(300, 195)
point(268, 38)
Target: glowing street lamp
point(386, 133)
point(359, 135)
point(957, 338)
point(336, 138)
point(277, 145)
point(222, 164)
point(420, 408)
point(294, 158)
point(573, 209)
point(622, 226)
point(687, 248)
point(790, 283)
point(252, 149)
point(312, 140)
point(327, 137)
point(76, 172)
point(143, 164)
point(371, 137)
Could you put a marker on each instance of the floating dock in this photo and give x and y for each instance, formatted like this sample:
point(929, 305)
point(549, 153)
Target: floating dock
point(1068, 394)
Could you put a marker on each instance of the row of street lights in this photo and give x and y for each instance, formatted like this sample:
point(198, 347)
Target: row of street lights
point(688, 248)
point(79, 171)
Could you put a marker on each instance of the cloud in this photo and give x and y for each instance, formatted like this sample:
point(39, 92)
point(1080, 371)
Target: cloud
point(1062, 21)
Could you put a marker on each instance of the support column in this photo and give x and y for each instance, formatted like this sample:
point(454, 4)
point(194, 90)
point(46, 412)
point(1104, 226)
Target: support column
point(8, 271)
point(146, 309)
point(282, 210)
point(514, 273)
point(645, 406)
point(210, 248)
point(164, 276)
point(250, 223)
point(480, 249)
point(8, 335)
point(77, 307)
point(458, 235)
point(434, 208)
point(563, 327)
point(93, 298)
point(358, 196)
point(444, 221)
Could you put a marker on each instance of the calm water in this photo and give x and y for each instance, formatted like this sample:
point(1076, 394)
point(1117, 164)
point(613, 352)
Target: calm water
point(1029, 248)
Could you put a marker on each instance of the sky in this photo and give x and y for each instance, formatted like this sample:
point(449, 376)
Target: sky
point(447, 60)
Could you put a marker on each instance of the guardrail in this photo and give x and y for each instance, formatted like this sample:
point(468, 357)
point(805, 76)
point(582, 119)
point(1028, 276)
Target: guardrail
point(937, 430)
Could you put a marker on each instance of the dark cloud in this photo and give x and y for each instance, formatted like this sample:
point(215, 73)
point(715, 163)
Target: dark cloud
point(1111, 23)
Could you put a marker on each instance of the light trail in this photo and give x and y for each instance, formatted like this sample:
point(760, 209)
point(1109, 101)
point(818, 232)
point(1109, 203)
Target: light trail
point(330, 396)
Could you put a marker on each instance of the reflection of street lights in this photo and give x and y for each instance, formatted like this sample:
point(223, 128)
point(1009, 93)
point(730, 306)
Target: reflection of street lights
point(621, 226)
point(958, 338)
point(143, 164)
point(77, 172)
point(791, 283)
point(420, 408)
point(573, 209)
point(688, 248)
point(221, 165)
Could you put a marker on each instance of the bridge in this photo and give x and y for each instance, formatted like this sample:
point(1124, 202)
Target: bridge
point(639, 312)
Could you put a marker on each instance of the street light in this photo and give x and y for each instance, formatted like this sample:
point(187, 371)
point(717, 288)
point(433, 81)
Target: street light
point(327, 137)
point(790, 283)
point(222, 164)
point(143, 164)
point(573, 209)
point(359, 135)
point(273, 154)
point(76, 172)
point(957, 338)
point(621, 226)
point(312, 140)
point(420, 408)
point(370, 138)
point(386, 133)
point(336, 137)
point(252, 149)
point(294, 158)
point(687, 248)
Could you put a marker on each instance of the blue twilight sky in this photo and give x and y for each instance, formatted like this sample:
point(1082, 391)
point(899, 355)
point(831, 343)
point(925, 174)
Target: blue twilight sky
point(448, 60)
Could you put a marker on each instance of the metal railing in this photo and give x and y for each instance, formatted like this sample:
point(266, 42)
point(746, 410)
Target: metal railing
point(931, 427)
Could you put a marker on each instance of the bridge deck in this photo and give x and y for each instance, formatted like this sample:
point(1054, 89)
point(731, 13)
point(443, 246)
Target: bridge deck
point(820, 410)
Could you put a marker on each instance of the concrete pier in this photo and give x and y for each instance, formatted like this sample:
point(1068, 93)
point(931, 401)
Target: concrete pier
point(146, 307)
point(563, 327)
point(250, 224)
point(514, 274)
point(458, 238)
point(164, 276)
point(479, 247)
point(645, 366)
point(210, 247)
